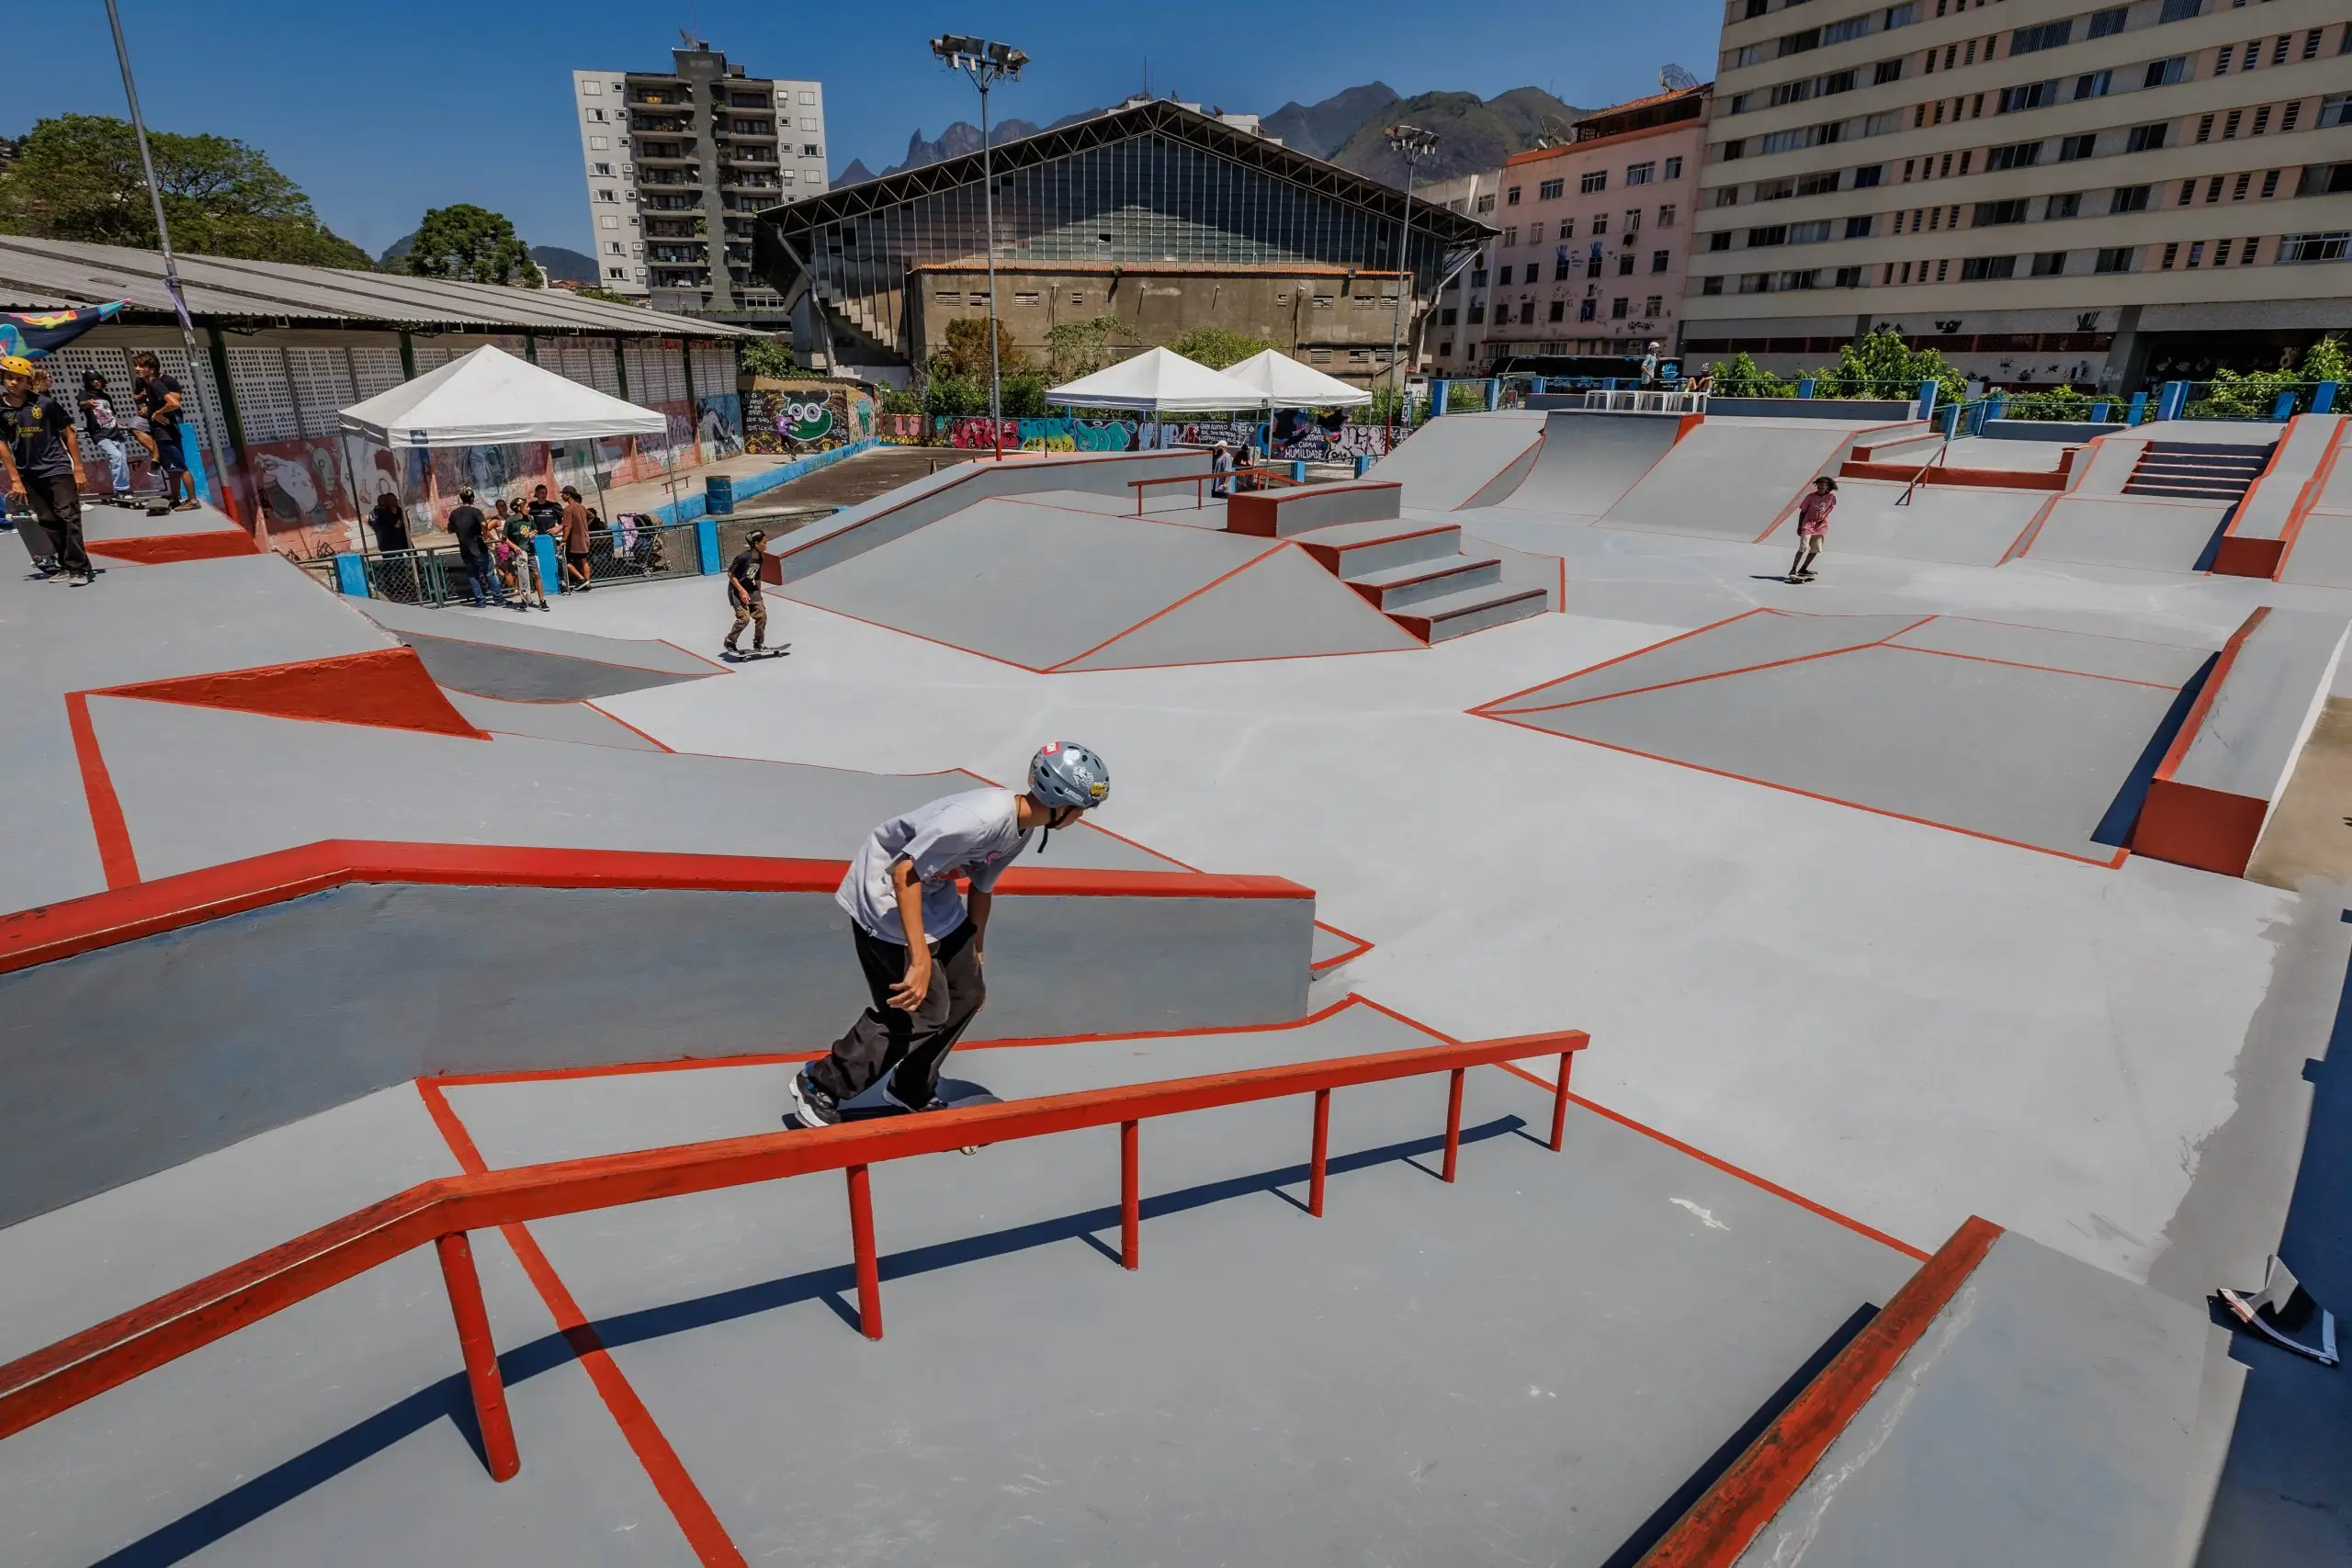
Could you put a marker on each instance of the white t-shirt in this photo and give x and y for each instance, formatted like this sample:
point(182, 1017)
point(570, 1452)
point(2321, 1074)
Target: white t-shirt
point(976, 834)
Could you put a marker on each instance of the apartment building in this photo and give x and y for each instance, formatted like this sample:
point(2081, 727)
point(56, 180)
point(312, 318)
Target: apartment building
point(1595, 242)
point(674, 158)
point(2044, 190)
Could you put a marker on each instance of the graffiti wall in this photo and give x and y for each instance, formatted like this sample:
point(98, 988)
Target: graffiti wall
point(1301, 436)
point(719, 426)
point(1041, 434)
point(899, 429)
point(797, 418)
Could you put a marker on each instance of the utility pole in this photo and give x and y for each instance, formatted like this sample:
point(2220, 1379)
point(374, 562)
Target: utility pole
point(163, 234)
point(1412, 144)
point(985, 63)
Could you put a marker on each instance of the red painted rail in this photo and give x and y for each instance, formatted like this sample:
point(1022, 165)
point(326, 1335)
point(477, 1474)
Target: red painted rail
point(442, 1212)
point(1200, 481)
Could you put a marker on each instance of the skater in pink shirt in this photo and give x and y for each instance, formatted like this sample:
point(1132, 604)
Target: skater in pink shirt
point(1813, 526)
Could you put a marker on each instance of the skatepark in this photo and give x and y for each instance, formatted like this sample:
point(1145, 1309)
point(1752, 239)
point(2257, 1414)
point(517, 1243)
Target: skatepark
point(1664, 1064)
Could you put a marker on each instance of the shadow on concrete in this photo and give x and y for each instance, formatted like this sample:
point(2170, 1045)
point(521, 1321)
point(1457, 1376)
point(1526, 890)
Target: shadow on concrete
point(1663, 1520)
point(2285, 1499)
point(448, 1399)
point(2122, 814)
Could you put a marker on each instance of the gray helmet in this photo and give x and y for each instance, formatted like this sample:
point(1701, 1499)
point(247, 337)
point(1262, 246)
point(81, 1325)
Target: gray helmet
point(1064, 773)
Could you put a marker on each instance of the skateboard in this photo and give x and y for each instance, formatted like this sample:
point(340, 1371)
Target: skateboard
point(746, 656)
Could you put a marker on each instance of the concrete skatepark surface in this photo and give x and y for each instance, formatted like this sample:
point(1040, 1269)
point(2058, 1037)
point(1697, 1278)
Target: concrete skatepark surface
point(1897, 1022)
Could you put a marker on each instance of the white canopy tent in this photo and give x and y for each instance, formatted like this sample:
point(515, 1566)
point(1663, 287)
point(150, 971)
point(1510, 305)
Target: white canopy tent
point(1160, 381)
point(488, 398)
point(1287, 384)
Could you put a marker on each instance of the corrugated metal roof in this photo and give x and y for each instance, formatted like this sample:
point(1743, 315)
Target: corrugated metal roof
point(41, 273)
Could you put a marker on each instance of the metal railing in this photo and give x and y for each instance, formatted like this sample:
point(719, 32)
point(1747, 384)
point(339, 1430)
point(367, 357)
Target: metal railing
point(1653, 400)
point(623, 554)
point(414, 577)
point(60, 1376)
point(1262, 478)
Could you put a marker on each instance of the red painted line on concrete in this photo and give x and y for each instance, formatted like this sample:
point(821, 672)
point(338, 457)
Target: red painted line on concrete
point(1362, 947)
point(385, 688)
point(1221, 578)
point(1837, 458)
point(696, 1519)
point(632, 728)
point(125, 913)
point(1717, 674)
point(1730, 1514)
point(1766, 1184)
point(715, 667)
point(884, 626)
point(2307, 500)
point(1636, 653)
point(2195, 720)
point(165, 549)
point(115, 857)
point(2021, 664)
point(2118, 858)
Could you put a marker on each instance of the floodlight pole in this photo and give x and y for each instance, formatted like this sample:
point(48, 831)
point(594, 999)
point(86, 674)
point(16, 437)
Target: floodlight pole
point(1412, 144)
point(164, 235)
point(986, 63)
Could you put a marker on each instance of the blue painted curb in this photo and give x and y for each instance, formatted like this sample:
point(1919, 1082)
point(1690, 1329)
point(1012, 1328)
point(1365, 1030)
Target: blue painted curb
point(693, 507)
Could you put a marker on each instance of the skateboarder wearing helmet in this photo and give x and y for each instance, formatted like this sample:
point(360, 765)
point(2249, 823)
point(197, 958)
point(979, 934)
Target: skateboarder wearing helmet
point(918, 940)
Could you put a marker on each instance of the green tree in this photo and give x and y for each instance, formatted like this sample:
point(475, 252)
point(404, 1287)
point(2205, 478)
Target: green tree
point(1882, 365)
point(1080, 349)
point(1217, 348)
point(470, 245)
point(1741, 377)
point(894, 400)
point(2066, 402)
point(946, 396)
point(78, 177)
point(2254, 394)
point(1025, 396)
point(770, 356)
point(964, 355)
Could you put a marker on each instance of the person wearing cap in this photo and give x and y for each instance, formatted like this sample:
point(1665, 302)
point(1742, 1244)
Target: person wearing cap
point(1221, 466)
point(743, 593)
point(1813, 526)
point(576, 524)
point(473, 549)
point(1649, 365)
point(919, 941)
point(38, 465)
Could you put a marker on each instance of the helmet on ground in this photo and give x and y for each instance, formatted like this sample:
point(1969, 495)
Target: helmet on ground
point(1064, 774)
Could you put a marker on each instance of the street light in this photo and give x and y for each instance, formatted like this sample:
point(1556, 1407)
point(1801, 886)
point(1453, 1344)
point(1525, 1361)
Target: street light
point(1413, 144)
point(985, 63)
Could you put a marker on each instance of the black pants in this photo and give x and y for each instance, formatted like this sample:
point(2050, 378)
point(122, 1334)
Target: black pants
point(58, 505)
point(910, 1046)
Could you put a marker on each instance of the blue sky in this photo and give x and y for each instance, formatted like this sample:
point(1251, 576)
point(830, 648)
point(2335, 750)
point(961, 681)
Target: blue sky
point(380, 111)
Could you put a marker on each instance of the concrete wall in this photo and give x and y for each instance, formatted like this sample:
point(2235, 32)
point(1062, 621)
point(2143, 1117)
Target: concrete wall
point(1885, 409)
point(287, 1010)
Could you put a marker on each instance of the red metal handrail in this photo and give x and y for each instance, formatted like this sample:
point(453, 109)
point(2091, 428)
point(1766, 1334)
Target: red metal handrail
point(442, 1212)
point(1198, 482)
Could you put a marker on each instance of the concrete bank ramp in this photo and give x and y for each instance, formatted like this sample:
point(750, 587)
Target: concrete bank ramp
point(1588, 461)
point(2140, 532)
point(504, 655)
point(1464, 459)
point(1964, 524)
point(1733, 478)
point(1047, 587)
point(2319, 547)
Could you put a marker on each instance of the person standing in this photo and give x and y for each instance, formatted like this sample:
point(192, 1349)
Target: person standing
point(1649, 365)
point(38, 465)
point(918, 940)
point(105, 429)
point(1813, 526)
point(744, 593)
point(546, 515)
point(523, 538)
point(390, 524)
point(473, 550)
point(1221, 467)
point(576, 525)
point(159, 400)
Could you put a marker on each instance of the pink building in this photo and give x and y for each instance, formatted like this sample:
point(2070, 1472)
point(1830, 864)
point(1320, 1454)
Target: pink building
point(1595, 242)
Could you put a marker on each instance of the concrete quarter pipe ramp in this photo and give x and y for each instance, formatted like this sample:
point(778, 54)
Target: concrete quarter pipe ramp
point(2022, 734)
point(1588, 461)
point(1464, 459)
point(1731, 479)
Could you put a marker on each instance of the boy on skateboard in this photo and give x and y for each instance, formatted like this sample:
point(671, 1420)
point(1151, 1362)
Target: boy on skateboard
point(743, 595)
point(1813, 526)
point(918, 942)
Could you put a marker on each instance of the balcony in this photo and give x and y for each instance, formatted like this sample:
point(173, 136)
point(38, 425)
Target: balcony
point(673, 203)
point(674, 124)
point(668, 177)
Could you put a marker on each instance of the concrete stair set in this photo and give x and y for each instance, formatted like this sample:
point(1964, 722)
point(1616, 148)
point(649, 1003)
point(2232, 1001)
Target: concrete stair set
point(1415, 573)
point(2192, 470)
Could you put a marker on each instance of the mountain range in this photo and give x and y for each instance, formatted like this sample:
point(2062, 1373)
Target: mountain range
point(1474, 132)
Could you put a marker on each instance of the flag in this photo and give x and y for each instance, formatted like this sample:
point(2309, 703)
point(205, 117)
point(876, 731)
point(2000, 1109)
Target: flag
point(27, 334)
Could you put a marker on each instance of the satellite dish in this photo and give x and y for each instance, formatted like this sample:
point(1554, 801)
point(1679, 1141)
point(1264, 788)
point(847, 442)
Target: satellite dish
point(1675, 79)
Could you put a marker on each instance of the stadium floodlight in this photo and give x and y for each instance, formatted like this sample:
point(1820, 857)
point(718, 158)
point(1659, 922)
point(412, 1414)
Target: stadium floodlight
point(985, 63)
point(1412, 144)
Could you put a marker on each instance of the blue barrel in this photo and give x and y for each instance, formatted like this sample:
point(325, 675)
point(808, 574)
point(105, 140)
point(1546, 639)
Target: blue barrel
point(718, 494)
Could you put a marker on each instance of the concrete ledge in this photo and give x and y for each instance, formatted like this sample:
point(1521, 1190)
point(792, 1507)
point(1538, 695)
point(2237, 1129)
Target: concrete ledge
point(2256, 539)
point(2074, 430)
point(1875, 409)
point(1988, 479)
point(2213, 792)
point(1278, 513)
point(302, 981)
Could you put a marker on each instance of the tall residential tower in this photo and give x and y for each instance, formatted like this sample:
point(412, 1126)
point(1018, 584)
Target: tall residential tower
point(2043, 189)
point(677, 158)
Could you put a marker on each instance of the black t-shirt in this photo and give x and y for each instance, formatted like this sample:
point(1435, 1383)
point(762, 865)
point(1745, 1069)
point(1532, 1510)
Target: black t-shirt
point(546, 516)
point(164, 423)
point(465, 521)
point(745, 571)
point(98, 416)
point(37, 430)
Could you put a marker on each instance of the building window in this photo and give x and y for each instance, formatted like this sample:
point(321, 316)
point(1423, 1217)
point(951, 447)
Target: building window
point(1886, 70)
point(2271, 183)
point(1510, 197)
point(1561, 268)
point(2012, 210)
point(2033, 95)
point(1811, 234)
point(1617, 309)
point(2050, 35)
point(1600, 224)
point(1651, 307)
point(599, 143)
point(2067, 206)
point(2117, 258)
point(2146, 138)
point(1849, 277)
point(1585, 309)
point(1859, 227)
point(808, 99)
point(1659, 259)
point(2129, 198)
point(1447, 317)
point(1477, 314)
point(1486, 202)
point(1640, 174)
point(2322, 180)
point(2109, 21)
point(608, 221)
point(1625, 264)
point(2166, 73)
point(1560, 310)
point(1445, 350)
point(1719, 240)
point(1665, 217)
point(2050, 264)
point(1527, 312)
point(1596, 180)
point(1711, 285)
point(1868, 178)
point(1755, 283)
point(2093, 85)
point(2315, 247)
point(1550, 190)
point(2016, 155)
point(1771, 235)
